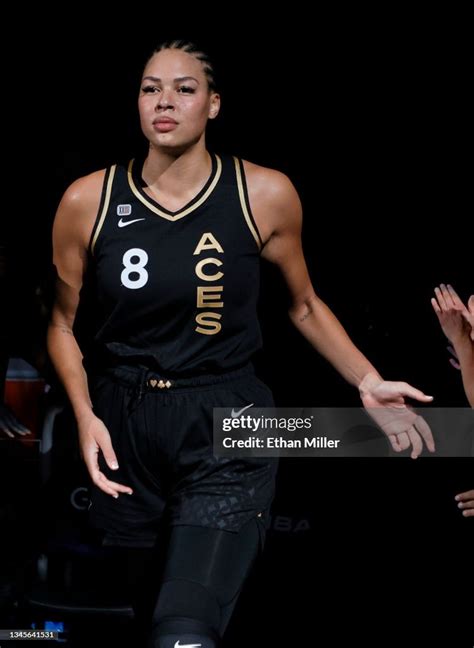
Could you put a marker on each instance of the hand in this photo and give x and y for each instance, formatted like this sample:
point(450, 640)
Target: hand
point(453, 316)
point(466, 503)
point(94, 436)
point(469, 315)
point(9, 424)
point(385, 403)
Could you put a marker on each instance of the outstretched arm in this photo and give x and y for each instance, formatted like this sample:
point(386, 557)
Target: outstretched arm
point(316, 322)
point(457, 323)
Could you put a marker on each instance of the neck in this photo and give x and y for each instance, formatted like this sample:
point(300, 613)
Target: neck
point(174, 174)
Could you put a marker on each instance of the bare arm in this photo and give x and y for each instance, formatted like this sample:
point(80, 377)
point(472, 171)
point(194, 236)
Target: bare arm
point(72, 226)
point(309, 314)
point(274, 200)
point(457, 323)
point(71, 233)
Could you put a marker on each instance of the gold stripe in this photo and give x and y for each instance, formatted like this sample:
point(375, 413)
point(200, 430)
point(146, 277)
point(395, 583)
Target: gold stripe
point(243, 204)
point(105, 207)
point(163, 214)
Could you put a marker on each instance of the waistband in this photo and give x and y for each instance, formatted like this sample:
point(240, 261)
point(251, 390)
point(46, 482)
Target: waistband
point(144, 380)
point(153, 381)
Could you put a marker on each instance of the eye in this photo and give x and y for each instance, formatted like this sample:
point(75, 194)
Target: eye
point(186, 90)
point(149, 89)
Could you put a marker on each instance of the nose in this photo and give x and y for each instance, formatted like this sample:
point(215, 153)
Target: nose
point(165, 100)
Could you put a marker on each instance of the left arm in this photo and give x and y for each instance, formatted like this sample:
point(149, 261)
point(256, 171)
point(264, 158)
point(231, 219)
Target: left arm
point(275, 200)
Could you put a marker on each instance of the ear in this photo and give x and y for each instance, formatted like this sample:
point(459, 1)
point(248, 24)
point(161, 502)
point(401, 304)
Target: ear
point(215, 105)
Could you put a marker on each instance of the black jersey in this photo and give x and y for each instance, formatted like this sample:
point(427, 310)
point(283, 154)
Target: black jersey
point(176, 291)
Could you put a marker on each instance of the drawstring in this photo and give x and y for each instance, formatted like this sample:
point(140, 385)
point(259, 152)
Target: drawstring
point(138, 391)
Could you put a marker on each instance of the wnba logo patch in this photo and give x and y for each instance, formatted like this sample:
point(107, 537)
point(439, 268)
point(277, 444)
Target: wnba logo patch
point(124, 210)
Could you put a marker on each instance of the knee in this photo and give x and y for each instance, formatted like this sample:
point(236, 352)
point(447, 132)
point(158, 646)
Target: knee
point(186, 614)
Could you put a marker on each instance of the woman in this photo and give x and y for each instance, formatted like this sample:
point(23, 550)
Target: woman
point(173, 243)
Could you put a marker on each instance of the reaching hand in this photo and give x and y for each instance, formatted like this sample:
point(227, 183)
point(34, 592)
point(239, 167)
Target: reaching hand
point(385, 403)
point(453, 316)
point(466, 503)
point(9, 424)
point(94, 436)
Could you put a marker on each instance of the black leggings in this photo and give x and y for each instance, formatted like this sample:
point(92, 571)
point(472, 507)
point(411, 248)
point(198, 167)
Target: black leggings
point(193, 587)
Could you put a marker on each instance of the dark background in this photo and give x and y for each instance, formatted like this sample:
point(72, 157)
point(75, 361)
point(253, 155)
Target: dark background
point(372, 127)
point(372, 121)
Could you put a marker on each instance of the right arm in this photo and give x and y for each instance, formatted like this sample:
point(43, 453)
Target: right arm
point(71, 234)
point(455, 320)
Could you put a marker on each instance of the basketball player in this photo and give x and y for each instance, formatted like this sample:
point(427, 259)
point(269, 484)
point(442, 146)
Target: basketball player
point(173, 243)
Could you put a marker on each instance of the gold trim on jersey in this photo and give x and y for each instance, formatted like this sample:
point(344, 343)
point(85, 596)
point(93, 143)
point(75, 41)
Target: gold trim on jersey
point(105, 206)
point(243, 203)
point(181, 214)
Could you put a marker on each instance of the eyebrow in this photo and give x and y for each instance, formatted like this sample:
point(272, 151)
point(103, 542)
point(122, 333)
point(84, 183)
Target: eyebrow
point(178, 79)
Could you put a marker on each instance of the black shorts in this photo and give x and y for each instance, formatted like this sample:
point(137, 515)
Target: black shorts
point(163, 439)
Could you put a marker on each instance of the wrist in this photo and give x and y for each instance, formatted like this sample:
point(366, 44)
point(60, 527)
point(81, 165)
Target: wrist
point(461, 343)
point(369, 382)
point(83, 414)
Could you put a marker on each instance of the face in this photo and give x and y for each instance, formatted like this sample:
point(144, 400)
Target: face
point(175, 102)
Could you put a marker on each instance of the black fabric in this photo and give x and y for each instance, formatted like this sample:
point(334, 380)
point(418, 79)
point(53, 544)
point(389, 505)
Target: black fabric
point(177, 292)
point(164, 445)
point(183, 640)
point(204, 573)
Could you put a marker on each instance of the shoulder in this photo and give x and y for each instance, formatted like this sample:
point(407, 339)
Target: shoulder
point(272, 194)
point(79, 206)
point(84, 191)
point(267, 181)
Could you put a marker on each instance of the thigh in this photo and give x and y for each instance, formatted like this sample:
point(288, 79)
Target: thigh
point(129, 520)
point(214, 491)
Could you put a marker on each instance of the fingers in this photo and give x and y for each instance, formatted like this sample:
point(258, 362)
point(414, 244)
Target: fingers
point(393, 438)
point(454, 363)
point(422, 427)
point(468, 317)
point(108, 452)
point(109, 487)
point(463, 497)
point(454, 297)
point(440, 296)
point(466, 503)
point(452, 352)
point(447, 299)
point(399, 441)
point(10, 424)
point(415, 440)
point(435, 305)
point(413, 392)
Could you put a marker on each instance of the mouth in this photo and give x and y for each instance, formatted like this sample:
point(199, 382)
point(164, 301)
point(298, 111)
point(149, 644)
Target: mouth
point(164, 125)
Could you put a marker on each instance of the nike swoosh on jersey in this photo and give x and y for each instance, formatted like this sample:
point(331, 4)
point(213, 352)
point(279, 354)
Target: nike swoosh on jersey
point(235, 414)
point(180, 645)
point(123, 223)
